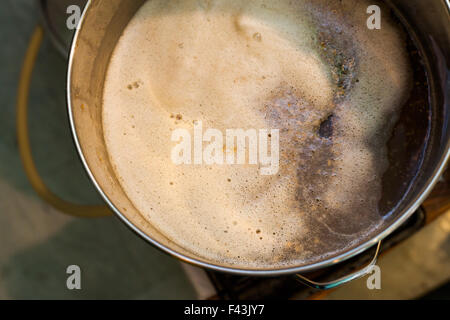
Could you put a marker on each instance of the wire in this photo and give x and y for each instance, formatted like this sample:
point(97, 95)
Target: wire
point(87, 211)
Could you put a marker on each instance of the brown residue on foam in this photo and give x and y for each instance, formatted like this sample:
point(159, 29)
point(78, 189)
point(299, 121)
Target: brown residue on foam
point(134, 85)
point(294, 73)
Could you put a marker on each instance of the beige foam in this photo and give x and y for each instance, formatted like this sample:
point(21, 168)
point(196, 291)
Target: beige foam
point(228, 64)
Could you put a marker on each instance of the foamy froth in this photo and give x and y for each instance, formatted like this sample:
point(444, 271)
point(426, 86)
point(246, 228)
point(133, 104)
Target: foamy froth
point(309, 68)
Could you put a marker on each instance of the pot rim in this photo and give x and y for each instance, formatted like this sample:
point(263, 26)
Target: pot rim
point(422, 195)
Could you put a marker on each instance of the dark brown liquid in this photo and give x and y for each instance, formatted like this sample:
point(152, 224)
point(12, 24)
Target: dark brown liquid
point(406, 146)
point(405, 149)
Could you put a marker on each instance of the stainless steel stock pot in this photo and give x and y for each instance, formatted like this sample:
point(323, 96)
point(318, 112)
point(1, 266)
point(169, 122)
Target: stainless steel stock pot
point(102, 24)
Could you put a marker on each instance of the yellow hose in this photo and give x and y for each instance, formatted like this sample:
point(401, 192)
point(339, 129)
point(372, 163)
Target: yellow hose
point(24, 143)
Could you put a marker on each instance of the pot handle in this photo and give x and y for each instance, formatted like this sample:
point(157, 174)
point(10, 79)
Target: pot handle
point(24, 145)
point(335, 283)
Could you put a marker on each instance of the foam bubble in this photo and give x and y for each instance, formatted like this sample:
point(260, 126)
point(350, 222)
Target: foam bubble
point(309, 68)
